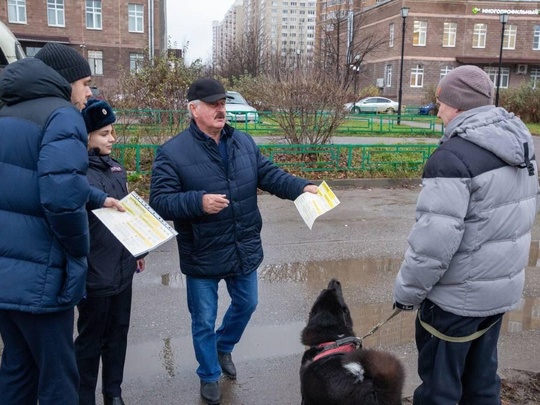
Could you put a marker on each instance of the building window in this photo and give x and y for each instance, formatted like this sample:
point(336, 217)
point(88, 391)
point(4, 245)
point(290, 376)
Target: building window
point(55, 13)
point(479, 36)
point(449, 34)
point(420, 33)
point(93, 14)
point(536, 38)
point(444, 71)
point(391, 36)
point(95, 59)
point(136, 20)
point(135, 62)
point(509, 41)
point(17, 11)
point(417, 76)
point(388, 75)
point(535, 78)
point(505, 75)
point(32, 50)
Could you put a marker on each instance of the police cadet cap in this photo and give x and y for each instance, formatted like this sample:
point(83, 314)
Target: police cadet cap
point(97, 114)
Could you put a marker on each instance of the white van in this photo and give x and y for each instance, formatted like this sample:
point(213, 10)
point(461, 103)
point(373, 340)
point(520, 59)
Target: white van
point(10, 48)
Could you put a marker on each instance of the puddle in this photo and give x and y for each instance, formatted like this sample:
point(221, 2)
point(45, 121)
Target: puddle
point(367, 286)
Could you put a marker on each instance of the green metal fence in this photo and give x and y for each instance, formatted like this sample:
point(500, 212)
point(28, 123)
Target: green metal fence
point(308, 158)
point(155, 122)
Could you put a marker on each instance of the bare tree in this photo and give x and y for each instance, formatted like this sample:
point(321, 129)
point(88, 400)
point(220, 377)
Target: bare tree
point(247, 55)
point(345, 43)
point(307, 106)
point(154, 95)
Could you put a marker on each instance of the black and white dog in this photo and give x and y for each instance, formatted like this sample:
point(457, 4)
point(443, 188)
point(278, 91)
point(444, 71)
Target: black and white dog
point(335, 369)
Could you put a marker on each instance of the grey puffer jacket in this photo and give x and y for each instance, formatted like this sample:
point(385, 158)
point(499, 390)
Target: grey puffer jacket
point(470, 243)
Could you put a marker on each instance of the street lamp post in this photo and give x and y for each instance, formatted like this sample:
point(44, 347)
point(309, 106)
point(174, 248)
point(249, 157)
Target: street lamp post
point(355, 68)
point(503, 18)
point(404, 14)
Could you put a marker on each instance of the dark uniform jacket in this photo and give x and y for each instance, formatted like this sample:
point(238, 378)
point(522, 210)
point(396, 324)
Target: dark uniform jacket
point(110, 265)
point(189, 166)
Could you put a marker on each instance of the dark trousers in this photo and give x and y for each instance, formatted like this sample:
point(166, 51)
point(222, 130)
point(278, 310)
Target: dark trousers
point(457, 373)
point(103, 327)
point(38, 361)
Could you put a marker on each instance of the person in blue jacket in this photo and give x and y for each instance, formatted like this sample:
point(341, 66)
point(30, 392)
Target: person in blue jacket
point(44, 236)
point(206, 179)
point(104, 314)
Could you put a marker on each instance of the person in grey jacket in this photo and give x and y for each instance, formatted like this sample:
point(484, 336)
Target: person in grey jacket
point(464, 267)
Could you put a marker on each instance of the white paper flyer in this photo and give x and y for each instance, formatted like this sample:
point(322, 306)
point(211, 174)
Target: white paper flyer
point(140, 229)
point(311, 206)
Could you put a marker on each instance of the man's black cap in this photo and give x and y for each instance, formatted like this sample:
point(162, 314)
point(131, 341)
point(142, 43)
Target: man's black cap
point(207, 89)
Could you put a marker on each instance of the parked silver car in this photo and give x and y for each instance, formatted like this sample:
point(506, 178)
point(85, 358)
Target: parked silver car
point(238, 109)
point(374, 105)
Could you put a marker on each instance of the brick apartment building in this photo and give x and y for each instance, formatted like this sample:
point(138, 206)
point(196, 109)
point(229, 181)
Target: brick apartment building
point(113, 35)
point(441, 35)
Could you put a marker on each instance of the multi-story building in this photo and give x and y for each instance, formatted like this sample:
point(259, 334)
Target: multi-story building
point(113, 35)
point(364, 38)
point(441, 35)
point(227, 33)
point(285, 29)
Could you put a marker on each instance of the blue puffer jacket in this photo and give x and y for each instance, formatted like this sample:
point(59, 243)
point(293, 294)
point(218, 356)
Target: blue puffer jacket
point(189, 166)
point(44, 236)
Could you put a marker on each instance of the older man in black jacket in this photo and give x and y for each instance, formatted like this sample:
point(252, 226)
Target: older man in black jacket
point(205, 179)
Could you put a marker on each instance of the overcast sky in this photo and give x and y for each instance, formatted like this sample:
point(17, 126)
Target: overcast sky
point(191, 21)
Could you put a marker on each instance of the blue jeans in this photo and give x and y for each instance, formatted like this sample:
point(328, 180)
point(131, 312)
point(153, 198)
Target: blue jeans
point(202, 299)
point(457, 373)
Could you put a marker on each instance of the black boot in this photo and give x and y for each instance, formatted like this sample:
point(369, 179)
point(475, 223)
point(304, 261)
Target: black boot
point(210, 392)
point(227, 365)
point(113, 400)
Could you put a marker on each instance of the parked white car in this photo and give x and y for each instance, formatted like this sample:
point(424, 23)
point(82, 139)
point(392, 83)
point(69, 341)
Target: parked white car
point(10, 48)
point(238, 109)
point(374, 105)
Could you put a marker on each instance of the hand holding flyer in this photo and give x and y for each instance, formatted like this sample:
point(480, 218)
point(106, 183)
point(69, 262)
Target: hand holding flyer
point(310, 206)
point(140, 229)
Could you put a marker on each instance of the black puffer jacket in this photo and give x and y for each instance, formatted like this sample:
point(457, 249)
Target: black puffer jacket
point(110, 265)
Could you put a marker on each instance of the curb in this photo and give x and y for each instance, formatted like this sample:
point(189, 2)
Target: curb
point(372, 183)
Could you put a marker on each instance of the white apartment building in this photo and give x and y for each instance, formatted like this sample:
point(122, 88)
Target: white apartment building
point(285, 29)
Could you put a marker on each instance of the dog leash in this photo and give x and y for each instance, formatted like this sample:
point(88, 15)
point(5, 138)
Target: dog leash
point(376, 327)
point(432, 330)
point(453, 339)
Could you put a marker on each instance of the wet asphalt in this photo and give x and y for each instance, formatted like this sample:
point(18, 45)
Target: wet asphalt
point(360, 242)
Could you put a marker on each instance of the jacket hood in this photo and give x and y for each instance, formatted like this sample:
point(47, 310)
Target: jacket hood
point(494, 129)
point(30, 78)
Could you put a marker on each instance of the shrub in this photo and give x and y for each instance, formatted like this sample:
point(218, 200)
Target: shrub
point(524, 101)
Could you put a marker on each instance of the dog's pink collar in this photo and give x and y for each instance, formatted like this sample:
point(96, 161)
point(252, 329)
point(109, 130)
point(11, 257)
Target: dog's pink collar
point(346, 345)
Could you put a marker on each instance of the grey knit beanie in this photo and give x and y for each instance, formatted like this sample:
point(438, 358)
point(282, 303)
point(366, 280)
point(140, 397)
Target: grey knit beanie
point(65, 60)
point(465, 87)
